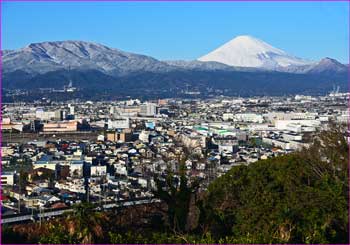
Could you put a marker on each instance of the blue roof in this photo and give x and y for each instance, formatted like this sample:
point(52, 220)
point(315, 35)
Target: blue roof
point(45, 158)
point(77, 162)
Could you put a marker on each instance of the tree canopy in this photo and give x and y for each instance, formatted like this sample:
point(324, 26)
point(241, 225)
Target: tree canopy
point(301, 197)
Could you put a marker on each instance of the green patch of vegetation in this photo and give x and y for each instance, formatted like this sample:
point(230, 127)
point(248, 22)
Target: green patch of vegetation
point(297, 198)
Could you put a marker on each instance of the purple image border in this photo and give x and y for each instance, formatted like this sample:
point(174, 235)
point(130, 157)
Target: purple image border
point(102, 1)
point(174, 1)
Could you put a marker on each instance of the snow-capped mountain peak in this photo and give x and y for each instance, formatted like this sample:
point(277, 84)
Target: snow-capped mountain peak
point(248, 51)
point(50, 56)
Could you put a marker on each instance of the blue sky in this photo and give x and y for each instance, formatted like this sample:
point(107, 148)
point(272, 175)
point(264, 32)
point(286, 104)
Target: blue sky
point(182, 30)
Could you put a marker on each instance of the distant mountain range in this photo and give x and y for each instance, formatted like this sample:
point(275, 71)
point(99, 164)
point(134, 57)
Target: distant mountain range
point(244, 63)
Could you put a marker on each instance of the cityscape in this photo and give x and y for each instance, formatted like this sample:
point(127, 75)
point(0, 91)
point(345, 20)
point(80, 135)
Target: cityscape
point(58, 154)
point(246, 144)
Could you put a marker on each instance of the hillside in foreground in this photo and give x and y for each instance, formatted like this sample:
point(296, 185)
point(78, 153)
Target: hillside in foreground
point(297, 198)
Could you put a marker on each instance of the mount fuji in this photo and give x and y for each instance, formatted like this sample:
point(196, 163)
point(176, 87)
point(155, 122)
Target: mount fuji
point(248, 51)
point(243, 65)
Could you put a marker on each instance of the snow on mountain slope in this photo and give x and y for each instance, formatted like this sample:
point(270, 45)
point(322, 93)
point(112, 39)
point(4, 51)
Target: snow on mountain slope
point(51, 56)
point(328, 65)
point(207, 66)
point(243, 53)
point(247, 51)
point(198, 65)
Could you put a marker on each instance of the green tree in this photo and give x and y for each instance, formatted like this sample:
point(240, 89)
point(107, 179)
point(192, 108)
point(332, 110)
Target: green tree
point(85, 223)
point(176, 192)
point(296, 198)
point(57, 234)
point(23, 179)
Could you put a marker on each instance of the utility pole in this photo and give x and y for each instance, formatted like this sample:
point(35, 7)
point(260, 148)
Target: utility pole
point(88, 197)
point(105, 194)
point(40, 216)
point(19, 204)
point(88, 192)
point(19, 194)
point(100, 195)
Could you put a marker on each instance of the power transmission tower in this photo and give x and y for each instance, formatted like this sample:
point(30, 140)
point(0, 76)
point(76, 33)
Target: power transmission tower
point(32, 126)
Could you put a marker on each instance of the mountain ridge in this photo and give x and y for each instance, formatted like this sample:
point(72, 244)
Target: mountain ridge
point(95, 66)
point(49, 56)
point(73, 54)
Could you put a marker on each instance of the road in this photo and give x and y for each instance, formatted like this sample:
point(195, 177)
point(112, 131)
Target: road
point(34, 216)
point(26, 137)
